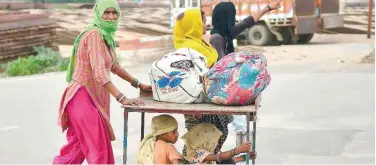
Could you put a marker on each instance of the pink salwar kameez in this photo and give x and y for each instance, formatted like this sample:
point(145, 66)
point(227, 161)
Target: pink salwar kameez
point(85, 105)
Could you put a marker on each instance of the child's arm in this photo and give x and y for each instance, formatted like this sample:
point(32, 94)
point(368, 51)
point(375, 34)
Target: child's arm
point(238, 159)
point(228, 154)
point(221, 156)
point(173, 154)
point(252, 155)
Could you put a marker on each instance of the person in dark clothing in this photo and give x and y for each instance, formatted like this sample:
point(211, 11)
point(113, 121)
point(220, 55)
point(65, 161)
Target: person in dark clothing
point(224, 27)
point(222, 35)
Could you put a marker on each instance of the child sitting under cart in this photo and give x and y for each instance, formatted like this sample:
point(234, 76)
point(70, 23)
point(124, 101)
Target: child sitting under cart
point(201, 142)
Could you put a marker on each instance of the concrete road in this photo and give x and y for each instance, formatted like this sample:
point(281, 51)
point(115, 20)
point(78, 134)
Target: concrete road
point(321, 112)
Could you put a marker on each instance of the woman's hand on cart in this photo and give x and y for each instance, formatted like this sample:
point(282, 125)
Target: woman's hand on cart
point(133, 102)
point(145, 88)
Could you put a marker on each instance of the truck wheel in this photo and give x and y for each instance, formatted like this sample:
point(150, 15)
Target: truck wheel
point(287, 35)
point(304, 38)
point(259, 35)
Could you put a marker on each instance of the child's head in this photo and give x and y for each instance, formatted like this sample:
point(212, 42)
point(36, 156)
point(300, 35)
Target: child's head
point(165, 127)
point(201, 136)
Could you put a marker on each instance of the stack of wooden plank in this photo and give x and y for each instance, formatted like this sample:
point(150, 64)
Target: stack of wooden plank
point(72, 22)
point(13, 5)
point(133, 23)
point(150, 21)
point(21, 31)
point(144, 3)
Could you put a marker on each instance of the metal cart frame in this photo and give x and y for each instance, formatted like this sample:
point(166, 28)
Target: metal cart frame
point(170, 108)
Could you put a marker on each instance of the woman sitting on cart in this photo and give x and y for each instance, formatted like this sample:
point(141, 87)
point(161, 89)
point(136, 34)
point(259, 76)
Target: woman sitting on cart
point(85, 104)
point(188, 32)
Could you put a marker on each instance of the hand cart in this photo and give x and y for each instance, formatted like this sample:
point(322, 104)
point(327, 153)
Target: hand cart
point(152, 106)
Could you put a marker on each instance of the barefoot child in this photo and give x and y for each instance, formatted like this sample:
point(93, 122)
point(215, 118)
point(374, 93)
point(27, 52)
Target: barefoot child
point(201, 141)
point(157, 147)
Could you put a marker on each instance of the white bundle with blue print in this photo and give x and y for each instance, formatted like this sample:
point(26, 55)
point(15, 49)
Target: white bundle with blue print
point(176, 77)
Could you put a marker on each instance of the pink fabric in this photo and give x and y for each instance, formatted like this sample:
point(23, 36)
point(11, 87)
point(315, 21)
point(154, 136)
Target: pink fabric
point(237, 79)
point(94, 62)
point(87, 135)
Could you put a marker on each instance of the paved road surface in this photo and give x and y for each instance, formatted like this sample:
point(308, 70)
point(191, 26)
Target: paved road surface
point(311, 113)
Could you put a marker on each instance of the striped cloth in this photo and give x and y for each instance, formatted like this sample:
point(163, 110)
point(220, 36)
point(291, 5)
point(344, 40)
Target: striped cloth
point(94, 61)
